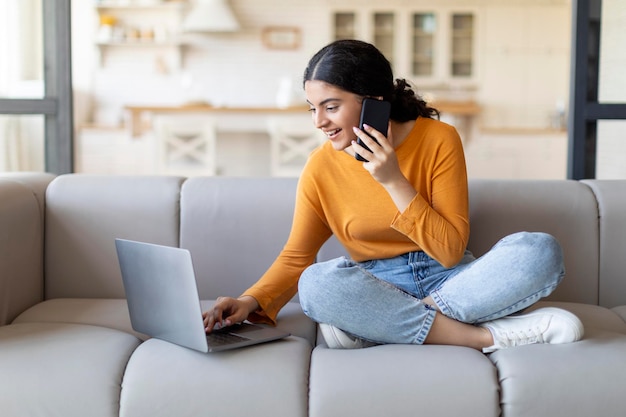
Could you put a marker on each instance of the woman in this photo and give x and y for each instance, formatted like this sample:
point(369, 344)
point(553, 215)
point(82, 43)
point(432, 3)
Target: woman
point(403, 218)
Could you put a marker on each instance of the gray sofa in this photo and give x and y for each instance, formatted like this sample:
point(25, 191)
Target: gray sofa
point(67, 347)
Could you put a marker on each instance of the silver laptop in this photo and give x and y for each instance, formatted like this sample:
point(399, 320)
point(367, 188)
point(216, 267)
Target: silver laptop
point(163, 300)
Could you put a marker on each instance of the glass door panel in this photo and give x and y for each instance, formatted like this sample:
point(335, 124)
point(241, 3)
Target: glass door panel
point(345, 25)
point(383, 34)
point(461, 64)
point(424, 29)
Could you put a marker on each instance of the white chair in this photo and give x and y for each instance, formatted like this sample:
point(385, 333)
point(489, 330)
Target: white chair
point(185, 144)
point(292, 138)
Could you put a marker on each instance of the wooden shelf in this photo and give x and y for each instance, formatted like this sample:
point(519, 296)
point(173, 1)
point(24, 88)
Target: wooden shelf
point(110, 5)
point(140, 24)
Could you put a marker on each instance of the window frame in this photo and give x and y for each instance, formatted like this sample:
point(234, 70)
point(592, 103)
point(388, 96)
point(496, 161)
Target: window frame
point(57, 104)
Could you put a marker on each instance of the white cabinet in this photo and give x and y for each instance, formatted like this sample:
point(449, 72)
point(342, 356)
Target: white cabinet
point(423, 44)
point(430, 47)
point(443, 47)
point(126, 27)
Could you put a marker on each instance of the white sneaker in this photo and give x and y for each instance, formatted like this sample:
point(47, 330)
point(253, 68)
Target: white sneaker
point(338, 339)
point(544, 325)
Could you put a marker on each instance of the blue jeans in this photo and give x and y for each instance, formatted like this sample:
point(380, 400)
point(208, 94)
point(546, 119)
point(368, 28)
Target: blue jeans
point(380, 300)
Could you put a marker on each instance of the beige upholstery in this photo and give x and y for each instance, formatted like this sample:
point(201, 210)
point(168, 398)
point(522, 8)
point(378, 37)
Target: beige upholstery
point(61, 370)
point(424, 380)
point(84, 215)
point(266, 380)
point(70, 350)
point(233, 244)
point(21, 242)
point(565, 209)
point(611, 196)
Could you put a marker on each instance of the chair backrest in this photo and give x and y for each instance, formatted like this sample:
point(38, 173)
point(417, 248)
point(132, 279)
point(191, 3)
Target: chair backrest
point(185, 144)
point(291, 141)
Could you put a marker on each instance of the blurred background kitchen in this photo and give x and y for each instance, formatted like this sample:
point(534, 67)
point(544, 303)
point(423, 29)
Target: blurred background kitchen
point(213, 87)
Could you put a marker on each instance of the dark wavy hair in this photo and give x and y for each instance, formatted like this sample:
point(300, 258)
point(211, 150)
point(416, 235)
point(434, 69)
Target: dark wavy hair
point(360, 68)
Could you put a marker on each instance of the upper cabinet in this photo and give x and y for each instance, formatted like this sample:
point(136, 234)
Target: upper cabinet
point(462, 45)
point(430, 47)
point(344, 25)
point(383, 33)
point(423, 44)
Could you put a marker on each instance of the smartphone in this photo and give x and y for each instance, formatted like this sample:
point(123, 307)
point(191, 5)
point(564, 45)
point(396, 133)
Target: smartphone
point(374, 113)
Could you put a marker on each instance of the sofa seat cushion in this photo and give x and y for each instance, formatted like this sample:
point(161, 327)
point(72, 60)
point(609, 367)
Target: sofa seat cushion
point(270, 379)
point(59, 369)
point(570, 379)
point(113, 313)
point(403, 380)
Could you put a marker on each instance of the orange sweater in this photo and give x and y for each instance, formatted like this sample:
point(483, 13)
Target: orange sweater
point(336, 195)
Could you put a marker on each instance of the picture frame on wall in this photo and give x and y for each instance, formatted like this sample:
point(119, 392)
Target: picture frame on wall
point(281, 37)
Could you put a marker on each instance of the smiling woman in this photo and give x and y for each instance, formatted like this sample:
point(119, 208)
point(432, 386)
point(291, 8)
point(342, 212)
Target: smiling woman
point(403, 218)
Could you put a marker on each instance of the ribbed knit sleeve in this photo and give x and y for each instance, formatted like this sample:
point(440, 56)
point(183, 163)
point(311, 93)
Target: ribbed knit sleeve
point(308, 233)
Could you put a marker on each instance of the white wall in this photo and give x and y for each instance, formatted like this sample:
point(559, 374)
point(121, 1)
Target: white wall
point(526, 64)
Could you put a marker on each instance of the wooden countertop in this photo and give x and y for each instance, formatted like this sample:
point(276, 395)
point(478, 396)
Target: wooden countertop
point(136, 111)
point(460, 108)
point(208, 108)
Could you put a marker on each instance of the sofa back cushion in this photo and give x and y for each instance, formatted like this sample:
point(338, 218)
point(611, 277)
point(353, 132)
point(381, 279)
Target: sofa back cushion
point(84, 215)
point(21, 250)
point(234, 228)
point(565, 209)
point(611, 197)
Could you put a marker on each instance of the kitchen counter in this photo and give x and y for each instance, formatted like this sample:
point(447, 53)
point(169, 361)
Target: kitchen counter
point(230, 117)
point(138, 124)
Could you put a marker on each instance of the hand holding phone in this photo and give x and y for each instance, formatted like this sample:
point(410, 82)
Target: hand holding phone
point(374, 113)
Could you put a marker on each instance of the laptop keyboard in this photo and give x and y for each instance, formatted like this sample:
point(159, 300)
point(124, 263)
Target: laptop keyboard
point(219, 339)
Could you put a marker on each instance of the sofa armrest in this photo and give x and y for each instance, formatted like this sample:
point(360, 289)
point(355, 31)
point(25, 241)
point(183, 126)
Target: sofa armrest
point(21, 246)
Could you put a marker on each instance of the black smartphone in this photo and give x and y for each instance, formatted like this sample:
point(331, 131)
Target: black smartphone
point(374, 113)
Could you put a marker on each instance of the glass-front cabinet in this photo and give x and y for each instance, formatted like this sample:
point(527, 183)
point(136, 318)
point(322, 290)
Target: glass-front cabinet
point(423, 44)
point(443, 46)
point(462, 45)
point(434, 47)
point(384, 33)
point(344, 25)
